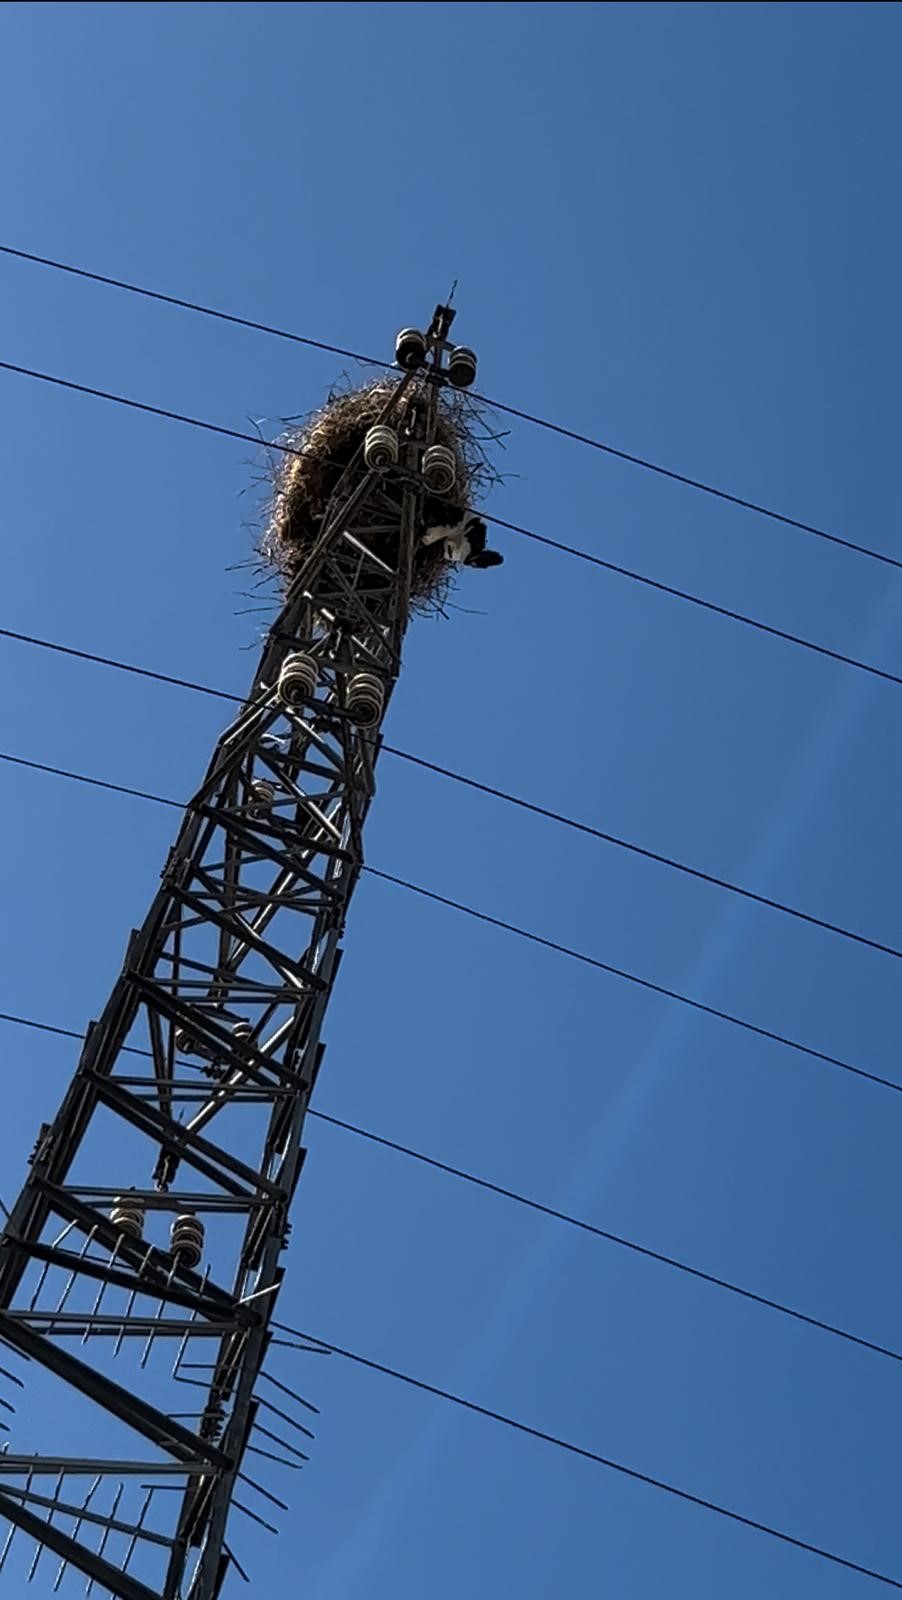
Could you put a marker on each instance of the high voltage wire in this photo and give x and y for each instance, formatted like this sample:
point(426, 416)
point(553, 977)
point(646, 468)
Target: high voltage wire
point(499, 405)
point(154, 411)
point(696, 483)
point(510, 927)
point(192, 305)
point(693, 599)
point(585, 828)
point(593, 1230)
point(515, 1423)
point(592, 832)
point(631, 977)
point(121, 666)
point(519, 1426)
point(513, 527)
point(594, 1456)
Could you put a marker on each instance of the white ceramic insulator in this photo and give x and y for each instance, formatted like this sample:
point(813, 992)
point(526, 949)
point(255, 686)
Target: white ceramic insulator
point(297, 679)
point(365, 698)
point(439, 468)
point(380, 447)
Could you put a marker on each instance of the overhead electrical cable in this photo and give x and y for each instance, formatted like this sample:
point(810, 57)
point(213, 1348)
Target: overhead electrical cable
point(559, 545)
point(573, 824)
point(522, 933)
point(573, 434)
point(530, 1203)
point(694, 599)
point(593, 1456)
point(518, 1425)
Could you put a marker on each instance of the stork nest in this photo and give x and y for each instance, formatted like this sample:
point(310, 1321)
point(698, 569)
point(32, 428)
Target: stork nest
point(324, 446)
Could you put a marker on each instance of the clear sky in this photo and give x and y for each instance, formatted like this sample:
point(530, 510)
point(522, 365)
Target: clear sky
point(678, 228)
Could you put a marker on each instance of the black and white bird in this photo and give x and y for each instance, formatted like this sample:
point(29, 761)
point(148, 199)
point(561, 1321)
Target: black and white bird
point(464, 535)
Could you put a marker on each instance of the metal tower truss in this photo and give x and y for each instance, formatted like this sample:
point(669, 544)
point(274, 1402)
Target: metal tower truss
point(141, 1263)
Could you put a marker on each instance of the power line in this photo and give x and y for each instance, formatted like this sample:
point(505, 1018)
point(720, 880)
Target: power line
point(585, 828)
point(368, 1363)
point(515, 1423)
point(190, 305)
point(591, 1455)
point(143, 405)
point(695, 483)
point(513, 527)
point(119, 666)
point(93, 783)
point(499, 405)
point(592, 832)
point(630, 977)
point(522, 933)
point(593, 1230)
point(500, 522)
point(524, 1428)
point(693, 599)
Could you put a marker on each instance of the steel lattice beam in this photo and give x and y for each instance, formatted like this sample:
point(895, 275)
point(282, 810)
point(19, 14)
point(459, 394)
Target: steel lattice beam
point(225, 985)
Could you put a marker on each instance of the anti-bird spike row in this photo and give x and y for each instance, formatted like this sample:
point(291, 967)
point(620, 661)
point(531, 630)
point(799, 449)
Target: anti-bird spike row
point(155, 1207)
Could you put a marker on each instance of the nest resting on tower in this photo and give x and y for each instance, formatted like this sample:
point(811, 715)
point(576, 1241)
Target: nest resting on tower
point(328, 442)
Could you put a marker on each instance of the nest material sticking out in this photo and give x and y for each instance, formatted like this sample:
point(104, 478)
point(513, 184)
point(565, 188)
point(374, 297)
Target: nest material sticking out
point(327, 443)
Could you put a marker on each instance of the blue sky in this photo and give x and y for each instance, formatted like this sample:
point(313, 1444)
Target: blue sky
point(676, 227)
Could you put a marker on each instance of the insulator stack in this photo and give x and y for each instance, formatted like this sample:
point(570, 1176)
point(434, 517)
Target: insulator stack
point(462, 367)
point(381, 448)
point(297, 679)
point(186, 1242)
point(410, 349)
point(263, 794)
point(439, 468)
point(365, 698)
point(188, 1045)
point(127, 1216)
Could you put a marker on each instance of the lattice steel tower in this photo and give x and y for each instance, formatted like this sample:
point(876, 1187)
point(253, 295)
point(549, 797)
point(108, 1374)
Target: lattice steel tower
point(140, 1265)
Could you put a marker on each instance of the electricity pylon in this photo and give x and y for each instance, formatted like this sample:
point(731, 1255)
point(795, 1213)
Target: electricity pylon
point(141, 1263)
